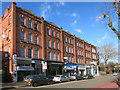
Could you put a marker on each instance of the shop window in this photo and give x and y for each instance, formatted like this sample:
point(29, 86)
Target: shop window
point(53, 56)
point(49, 55)
point(36, 53)
point(22, 51)
point(29, 38)
point(56, 45)
point(22, 21)
point(35, 26)
point(48, 43)
point(29, 24)
point(35, 39)
point(22, 36)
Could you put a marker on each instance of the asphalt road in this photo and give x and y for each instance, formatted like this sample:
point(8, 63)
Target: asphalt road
point(89, 83)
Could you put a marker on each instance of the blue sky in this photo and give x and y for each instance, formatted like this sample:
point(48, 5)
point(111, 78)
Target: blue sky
point(84, 19)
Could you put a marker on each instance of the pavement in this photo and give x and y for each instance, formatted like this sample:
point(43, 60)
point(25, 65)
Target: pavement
point(112, 84)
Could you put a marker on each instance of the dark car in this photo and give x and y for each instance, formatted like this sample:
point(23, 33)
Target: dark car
point(76, 77)
point(88, 76)
point(35, 80)
point(51, 78)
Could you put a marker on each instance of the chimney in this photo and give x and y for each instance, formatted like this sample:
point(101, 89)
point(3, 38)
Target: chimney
point(13, 3)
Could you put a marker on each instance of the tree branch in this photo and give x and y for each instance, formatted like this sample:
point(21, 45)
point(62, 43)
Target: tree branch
point(111, 26)
point(117, 8)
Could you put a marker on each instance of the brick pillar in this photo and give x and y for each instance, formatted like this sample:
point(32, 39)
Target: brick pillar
point(13, 34)
point(90, 53)
point(61, 44)
point(74, 51)
point(43, 38)
point(96, 54)
point(84, 52)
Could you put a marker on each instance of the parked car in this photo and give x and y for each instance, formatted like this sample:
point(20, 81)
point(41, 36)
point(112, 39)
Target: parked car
point(73, 77)
point(35, 80)
point(51, 78)
point(60, 78)
point(76, 77)
point(88, 76)
point(115, 74)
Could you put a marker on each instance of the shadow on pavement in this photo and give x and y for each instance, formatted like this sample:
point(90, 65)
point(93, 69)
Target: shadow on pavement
point(7, 88)
point(117, 81)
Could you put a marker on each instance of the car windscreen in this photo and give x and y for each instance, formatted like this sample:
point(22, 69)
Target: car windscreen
point(57, 76)
point(28, 77)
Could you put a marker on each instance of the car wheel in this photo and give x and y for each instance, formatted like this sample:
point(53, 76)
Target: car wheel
point(49, 83)
point(34, 84)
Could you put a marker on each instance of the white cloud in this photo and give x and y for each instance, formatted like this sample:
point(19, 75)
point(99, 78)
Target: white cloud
point(99, 17)
point(74, 22)
point(58, 4)
point(44, 8)
point(104, 37)
point(74, 15)
point(79, 30)
point(99, 41)
point(62, 3)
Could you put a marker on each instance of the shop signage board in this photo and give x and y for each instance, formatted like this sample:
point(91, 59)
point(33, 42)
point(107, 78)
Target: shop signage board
point(25, 68)
point(44, 65)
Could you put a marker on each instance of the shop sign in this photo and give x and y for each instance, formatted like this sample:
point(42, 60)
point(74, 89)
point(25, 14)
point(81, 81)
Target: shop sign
point(23, 61)
point(81, 67)
point(70, 67)
point(25, 68)
point(57, 63)
point(44, 65)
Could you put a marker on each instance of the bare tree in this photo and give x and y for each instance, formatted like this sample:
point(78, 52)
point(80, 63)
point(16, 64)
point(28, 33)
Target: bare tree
point(110, 24)
point(107, 52)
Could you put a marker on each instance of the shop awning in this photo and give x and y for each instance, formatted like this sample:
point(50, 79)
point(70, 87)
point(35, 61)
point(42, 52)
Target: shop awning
point(25, 68)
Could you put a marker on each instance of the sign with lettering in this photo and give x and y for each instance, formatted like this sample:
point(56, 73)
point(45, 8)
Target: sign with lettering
point(44, 65)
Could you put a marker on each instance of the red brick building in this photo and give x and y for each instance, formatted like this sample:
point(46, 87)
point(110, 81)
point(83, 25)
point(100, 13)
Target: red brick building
point(30, 36)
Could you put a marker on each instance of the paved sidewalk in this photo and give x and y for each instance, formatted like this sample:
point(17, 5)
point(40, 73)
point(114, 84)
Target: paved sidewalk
point(112, 84)
point(12, 85)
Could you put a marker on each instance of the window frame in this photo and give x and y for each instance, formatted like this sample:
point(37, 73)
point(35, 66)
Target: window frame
point(22, 21)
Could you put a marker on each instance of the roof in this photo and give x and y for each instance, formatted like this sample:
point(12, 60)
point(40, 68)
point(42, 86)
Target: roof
point(68, 32)
point(27, 11)
point(79, 38)
point(52, 23)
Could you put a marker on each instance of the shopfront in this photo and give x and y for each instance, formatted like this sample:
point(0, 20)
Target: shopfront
point(88, 69)
point(81, 69)
point(21, 68)
point(70, 68)
point(54, 68)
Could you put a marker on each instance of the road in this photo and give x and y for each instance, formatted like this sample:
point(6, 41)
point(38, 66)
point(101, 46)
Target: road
point(89, 83)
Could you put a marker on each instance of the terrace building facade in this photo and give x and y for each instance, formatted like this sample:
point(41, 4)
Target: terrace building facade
point(36, 46)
